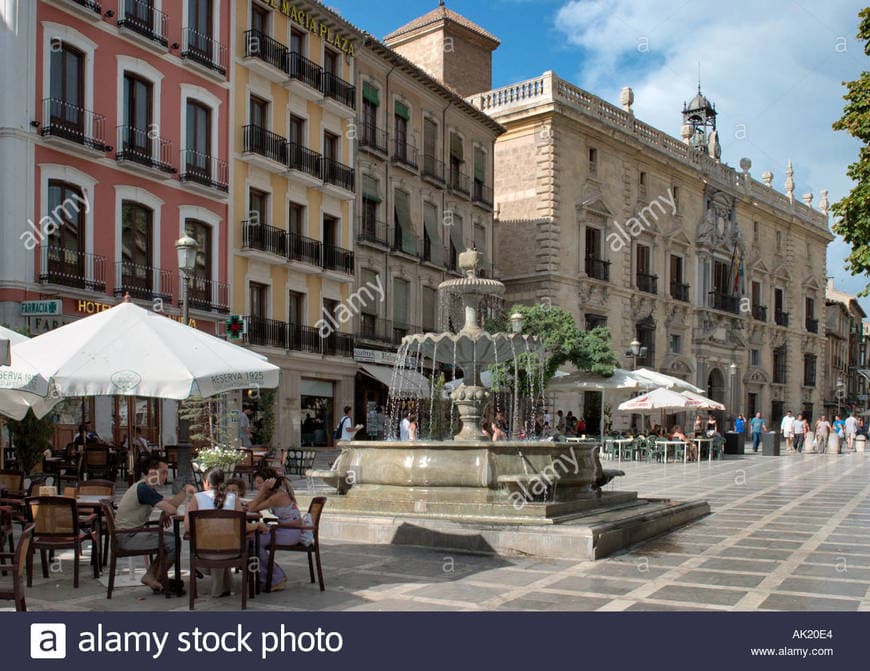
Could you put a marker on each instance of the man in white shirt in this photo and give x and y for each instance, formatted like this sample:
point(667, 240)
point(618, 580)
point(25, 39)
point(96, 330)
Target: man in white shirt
point(787, 428)
point(851, 430)
point(403, 428)
point(348, 431)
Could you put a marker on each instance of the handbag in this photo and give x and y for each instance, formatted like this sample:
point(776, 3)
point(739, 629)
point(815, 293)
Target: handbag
point(307, 537)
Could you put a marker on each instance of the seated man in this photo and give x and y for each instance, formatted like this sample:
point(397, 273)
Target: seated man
point(135, 509)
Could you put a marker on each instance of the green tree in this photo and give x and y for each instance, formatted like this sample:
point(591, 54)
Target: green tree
point(853, 211)
point(265, 425)
point(30, 438)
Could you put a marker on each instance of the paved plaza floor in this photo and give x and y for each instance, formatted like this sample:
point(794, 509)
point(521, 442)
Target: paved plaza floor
point(786, 533)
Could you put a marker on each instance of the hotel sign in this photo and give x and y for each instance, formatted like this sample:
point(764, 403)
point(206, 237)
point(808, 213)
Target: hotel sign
point(41, 308)
point(314, 25)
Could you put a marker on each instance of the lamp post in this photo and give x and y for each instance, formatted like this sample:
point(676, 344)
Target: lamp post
point(517, 328)
point(635, 350)
point(732, 370)
point(839, 393)
point(187, 248)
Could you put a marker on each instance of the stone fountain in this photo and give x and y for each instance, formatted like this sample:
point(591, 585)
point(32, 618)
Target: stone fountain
point(470, 493)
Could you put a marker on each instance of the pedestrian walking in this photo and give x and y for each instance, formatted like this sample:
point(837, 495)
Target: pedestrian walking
point(801, 426)
point(787, 429)
point(851, 431)
point(757, 424)
point(823, 430)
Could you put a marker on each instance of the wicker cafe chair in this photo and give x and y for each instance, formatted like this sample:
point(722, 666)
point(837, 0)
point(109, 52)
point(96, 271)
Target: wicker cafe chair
point(117, 552)
point(315, 509)
point(12, 484)
point(97, 463)
point(56, 527)
point(18, 569)
point(218, 540)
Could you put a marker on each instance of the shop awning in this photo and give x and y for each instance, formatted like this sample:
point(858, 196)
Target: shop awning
point(408, 383)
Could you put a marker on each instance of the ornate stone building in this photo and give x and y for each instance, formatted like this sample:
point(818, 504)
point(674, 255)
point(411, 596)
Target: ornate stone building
point(845, 380)
point(626, 226)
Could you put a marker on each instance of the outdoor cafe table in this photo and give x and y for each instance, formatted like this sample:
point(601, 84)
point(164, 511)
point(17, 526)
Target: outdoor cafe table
point(667, 443)
point(176, 530)
point(620, 443)
point(709, 442)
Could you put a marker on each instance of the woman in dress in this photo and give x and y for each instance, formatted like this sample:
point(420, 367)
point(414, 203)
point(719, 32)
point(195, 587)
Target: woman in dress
point(698, 427)
point(278, 495)
point(711, 426)
point(412, 427)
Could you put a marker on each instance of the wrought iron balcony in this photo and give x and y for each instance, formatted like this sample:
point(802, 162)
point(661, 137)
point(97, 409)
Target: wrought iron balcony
point(208, 295)
point(204, 169)
point(137, 145)
point(372, 230)
point(482, 194)
point(72, 268)
point(264, 142)
point(264, 238)
point(781, 318)
point(304, 160)
point(460, 182)
point(812, 325)
point(337, 173)
point(144, 282)
point(337, 344)
point(336, 88)
point(759, 312)
point(76, 124)
point(724, 302)
point(647, 283)
point(373, 138)
point(143, 18)
point(95, 7)
point(338, 258)
point(267, 332)
point(271, 51)
point(404, 153)
point(306, 71)
point(680, 291)
point(433, 168)
point(204, 50)
point(306, 250)
point(598, 269)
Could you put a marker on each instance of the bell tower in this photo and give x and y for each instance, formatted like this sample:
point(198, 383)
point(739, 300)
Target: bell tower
point(699, 125)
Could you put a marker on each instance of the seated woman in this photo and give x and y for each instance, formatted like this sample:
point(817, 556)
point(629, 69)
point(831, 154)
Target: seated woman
point(691, 447)
point(277, 494)
point(712, 428)
point(217, 497)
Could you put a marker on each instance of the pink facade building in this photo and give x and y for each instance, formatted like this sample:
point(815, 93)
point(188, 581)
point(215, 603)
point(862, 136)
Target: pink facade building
point(114, 141)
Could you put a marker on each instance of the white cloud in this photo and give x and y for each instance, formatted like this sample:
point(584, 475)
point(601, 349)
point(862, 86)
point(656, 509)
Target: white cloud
point(773, 69)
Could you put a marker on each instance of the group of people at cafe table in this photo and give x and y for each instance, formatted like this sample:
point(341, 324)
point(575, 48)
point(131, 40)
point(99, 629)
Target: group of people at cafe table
point(273, 492)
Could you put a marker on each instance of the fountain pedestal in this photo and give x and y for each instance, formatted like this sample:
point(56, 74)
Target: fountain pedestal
point(470, 401)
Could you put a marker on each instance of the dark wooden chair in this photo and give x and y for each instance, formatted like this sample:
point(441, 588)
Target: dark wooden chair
point(117, 552)
point(248, 465)
point(57, 526)
point(12, 484)
point(18, 559)
point(171, 454)
point(6, 536)
point(96, 488)
point(315, 509)
point(218, 540)
point(97, 463)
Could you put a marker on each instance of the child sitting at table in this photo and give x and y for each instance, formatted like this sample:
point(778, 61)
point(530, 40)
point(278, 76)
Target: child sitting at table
point(677, 434)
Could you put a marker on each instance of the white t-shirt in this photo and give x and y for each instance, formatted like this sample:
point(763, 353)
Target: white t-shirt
point(347, 428)
point(403, 429)
point(205, 500)
point(800, 426)
point(851, 424)
point(788, 424)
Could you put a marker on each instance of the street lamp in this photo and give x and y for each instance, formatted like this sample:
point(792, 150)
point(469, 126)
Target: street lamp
point(732, 370)
point(517, 322)
point(840, 393)
point(187, 248)
point(635, 350)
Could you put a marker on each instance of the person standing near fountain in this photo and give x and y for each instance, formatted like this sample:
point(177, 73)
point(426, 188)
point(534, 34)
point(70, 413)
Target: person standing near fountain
point(404, 427)
point(345, 429)
point(412, 427)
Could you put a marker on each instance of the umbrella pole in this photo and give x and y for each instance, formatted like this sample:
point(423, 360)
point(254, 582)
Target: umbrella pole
point(2, 445)
point(132, 461)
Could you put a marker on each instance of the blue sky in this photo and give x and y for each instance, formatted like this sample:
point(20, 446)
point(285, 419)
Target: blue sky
point(773, 69)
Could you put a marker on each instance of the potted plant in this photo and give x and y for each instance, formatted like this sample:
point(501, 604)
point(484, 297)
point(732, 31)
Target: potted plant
point(31, 437)
point(218, 456)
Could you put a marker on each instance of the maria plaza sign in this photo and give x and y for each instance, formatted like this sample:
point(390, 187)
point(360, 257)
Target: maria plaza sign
point(313, 24)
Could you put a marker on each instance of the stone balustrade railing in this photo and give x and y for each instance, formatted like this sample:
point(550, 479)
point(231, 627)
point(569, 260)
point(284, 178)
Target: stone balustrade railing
point(549, 88)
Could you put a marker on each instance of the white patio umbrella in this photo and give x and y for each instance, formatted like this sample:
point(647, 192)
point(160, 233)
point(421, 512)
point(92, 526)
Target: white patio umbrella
point(706, 403)
point(659, 399)
point(130, 351)
point(15, 403)
point(666, 381)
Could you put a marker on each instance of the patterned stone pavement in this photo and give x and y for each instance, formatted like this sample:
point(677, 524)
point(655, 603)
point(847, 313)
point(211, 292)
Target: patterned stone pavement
point(786, 533)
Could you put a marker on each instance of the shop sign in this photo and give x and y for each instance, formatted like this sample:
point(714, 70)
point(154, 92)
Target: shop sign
point(92, 307)
point(382, 358)
point(314, 25)
point(40, 325)
point(41, 308)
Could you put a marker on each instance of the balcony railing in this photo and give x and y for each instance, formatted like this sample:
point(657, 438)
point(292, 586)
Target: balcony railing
point(371, 230)
point(404, 153)
point(208, 295)
point(137, 145)
point(141, 17)
point(267, 332)
point(304, 160)
point(337, 258)
point(271, 51)
point(598, 269)
point(204, 169)
point(433, 168)
point(373, 137)
point(482, 194)
point(73, 123)
point(144, 282)
point(204, 50)
point(648, 283)
point(759, 313)
point(781, 318)
point(95, 7)
point(725, 302)
point(680, 291)
point(264, 238)
point(337, 173)
point(460, 183)
point(338, 344)
point(306, 250)
point(812, 325)
point(264, 142)
point(281, 335)
point(306, 71)
point(336, 88)
point(72, 268)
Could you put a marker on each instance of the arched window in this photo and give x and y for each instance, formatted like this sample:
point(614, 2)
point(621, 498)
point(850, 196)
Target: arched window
point(66, 239)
